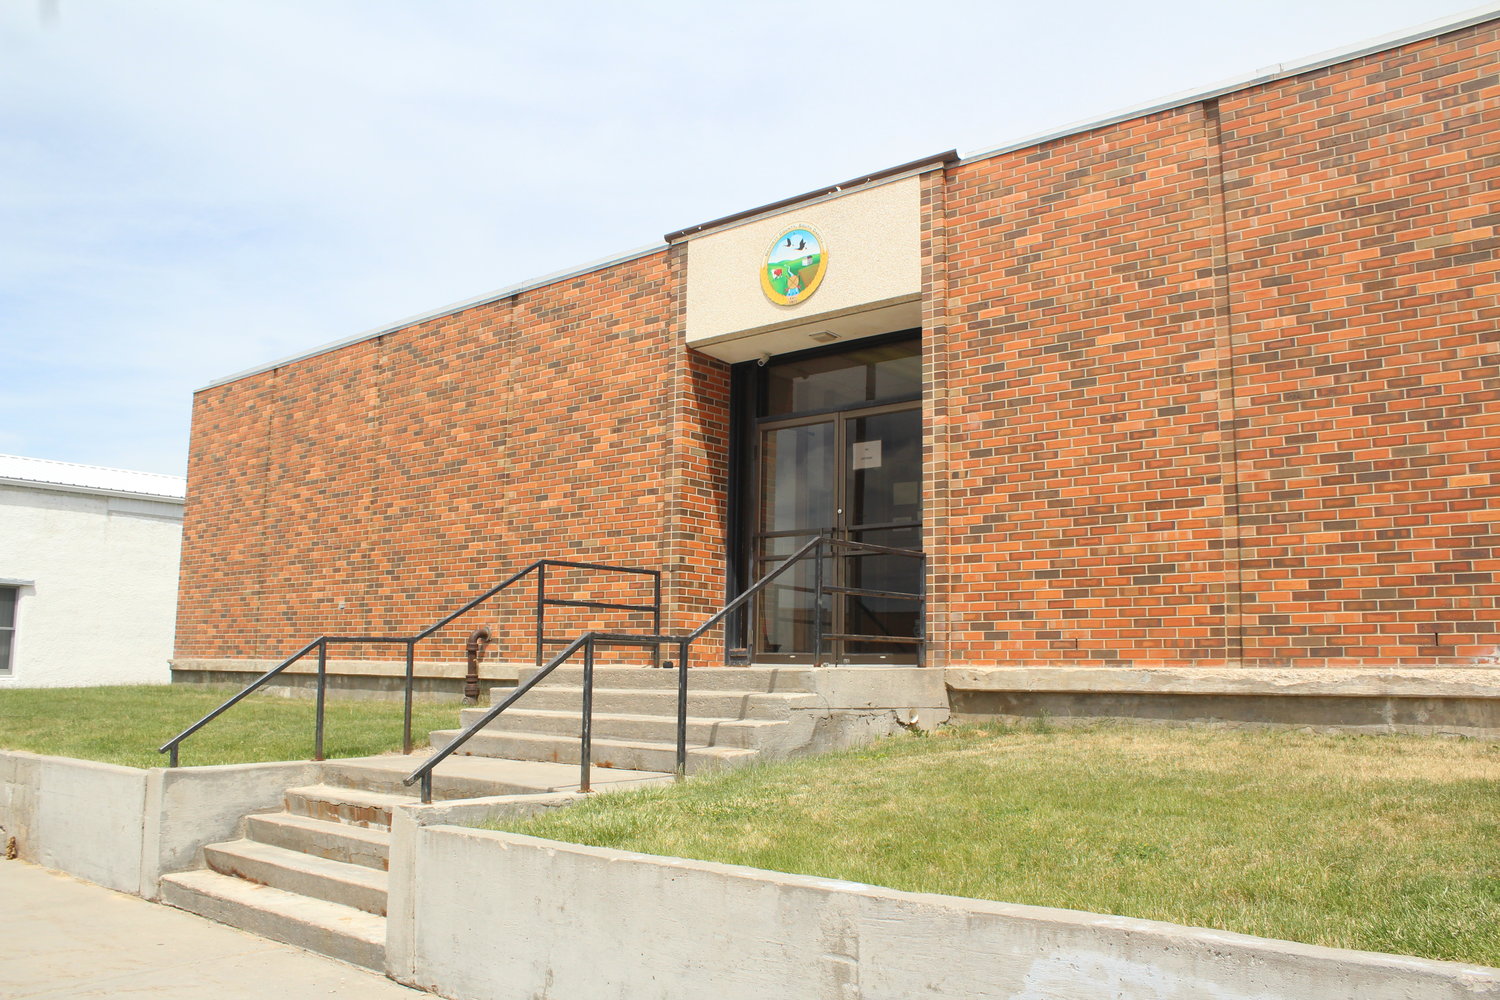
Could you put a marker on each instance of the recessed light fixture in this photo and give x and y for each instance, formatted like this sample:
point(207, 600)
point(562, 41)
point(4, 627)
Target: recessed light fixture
point(825, 336)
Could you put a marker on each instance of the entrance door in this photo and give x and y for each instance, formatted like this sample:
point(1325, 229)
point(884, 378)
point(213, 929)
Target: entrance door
point(856, 475)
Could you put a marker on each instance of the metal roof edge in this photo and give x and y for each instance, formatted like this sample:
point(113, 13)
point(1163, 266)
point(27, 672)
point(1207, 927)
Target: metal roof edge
point(843, 187)
point(441, 311)
point(1269, 74)
point(97, 491)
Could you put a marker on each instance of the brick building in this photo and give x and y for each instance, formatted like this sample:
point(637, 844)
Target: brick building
point(1198, 401)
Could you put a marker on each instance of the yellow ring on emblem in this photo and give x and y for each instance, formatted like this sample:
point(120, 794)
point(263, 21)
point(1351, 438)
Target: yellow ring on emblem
point(805, 287)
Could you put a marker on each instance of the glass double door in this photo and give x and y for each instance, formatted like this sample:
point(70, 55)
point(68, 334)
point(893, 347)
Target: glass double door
point(855, 475)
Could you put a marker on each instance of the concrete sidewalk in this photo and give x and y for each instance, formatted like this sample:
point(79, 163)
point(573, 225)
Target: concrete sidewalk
point(60, 937)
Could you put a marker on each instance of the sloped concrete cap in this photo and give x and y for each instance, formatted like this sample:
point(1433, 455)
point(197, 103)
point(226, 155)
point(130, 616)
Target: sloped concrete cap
point(1347, 682)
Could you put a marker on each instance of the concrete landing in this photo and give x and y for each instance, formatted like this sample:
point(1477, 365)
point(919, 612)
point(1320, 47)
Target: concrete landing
point(68, 939)
point(465, 777)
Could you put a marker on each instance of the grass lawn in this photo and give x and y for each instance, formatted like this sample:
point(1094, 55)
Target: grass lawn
point(1385, 843)
point(125, 725)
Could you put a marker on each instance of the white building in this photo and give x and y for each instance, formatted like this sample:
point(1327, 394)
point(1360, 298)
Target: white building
point(88, 573)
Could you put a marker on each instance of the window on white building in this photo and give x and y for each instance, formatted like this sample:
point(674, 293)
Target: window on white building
point(8, 597)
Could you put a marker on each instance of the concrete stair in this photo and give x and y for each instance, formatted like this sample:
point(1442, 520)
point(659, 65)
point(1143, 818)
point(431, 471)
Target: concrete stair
point(755, 679)
point(741, 733)
point(338, 842)
point(735, 716)
point(461, 777)
point(305, 874)
point(718, 705)
point(331, 929)
point(314, 875)
point(639, 755)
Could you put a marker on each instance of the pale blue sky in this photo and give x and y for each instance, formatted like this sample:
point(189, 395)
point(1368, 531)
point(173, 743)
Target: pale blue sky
point(781, 251)
point(188, 189)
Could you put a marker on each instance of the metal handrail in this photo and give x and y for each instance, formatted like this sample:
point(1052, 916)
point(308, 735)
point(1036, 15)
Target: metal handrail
point(590, 640)
point(322, 643)
point(819, 588)
point(586, 642)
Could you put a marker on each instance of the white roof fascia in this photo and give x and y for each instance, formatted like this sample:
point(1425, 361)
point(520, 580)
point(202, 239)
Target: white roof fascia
point(71, 477)
point(32, 484)
point(819, 199)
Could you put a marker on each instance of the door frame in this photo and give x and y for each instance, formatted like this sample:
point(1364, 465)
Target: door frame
point(747, 402)
point(841, 528)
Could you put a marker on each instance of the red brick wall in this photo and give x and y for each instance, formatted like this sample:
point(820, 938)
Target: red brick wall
point(1221, 381)
point(1214, 385)
point(378, 486)
point(698, 500)
point(1087, 509)
point(1363, 201)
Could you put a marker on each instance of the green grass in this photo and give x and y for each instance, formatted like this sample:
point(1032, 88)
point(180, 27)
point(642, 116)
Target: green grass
point(1385, 843)
point(125, 725)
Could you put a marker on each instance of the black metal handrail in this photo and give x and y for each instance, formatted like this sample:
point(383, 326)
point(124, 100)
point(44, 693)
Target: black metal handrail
point(589, 641)
point(322, 643)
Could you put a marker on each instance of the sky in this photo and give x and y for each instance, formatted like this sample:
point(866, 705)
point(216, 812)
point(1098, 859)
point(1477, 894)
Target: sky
point(189, 189)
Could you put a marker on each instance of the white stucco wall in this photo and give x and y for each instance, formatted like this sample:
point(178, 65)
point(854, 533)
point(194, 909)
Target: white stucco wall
point(872, 238)
point(99, 594)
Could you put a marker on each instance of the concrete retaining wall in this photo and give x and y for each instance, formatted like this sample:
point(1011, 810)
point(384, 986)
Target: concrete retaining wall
point(125, 827)
point(75, 816)
point(408, 824)
point(189, 807)
point(560, 920)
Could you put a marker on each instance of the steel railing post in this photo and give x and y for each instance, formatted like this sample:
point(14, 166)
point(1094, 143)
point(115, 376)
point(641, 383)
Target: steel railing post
point(541, 609)
point(656, 605)
point(411, 673)
point(586, 747)
point(818, 606)
point(682, 682)
point(322, 687)
point(656, 618)
point(922, 611)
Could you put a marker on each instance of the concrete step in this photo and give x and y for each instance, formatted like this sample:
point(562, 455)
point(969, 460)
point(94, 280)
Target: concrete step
point(355, 845)
point(742, 733)
point(763, 680)
point(340, 932)
point(608, 754)
point(353, 806)
point(549, 697)
point(305, 874)
point(461, 777)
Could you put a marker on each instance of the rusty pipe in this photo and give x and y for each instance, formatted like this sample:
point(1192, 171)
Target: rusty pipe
point(474, 651)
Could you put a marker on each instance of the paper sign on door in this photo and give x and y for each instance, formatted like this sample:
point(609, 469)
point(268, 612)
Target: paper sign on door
point(866, 455)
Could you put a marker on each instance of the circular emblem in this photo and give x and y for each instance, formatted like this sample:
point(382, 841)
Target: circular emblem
point(794, 267)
